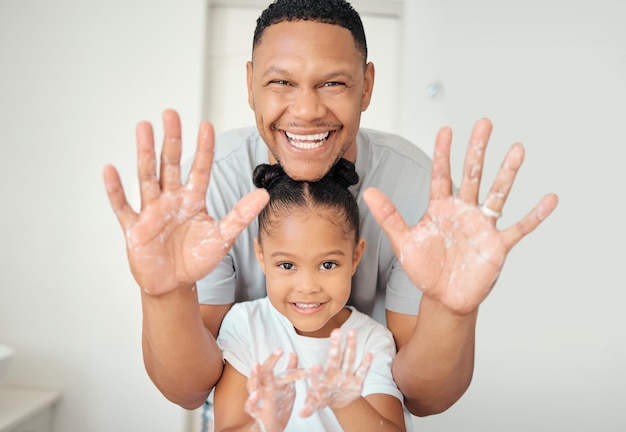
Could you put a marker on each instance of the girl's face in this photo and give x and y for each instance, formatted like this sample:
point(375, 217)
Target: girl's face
point(308, 263)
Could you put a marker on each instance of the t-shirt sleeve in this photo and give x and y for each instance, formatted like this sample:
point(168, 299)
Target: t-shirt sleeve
point(401, 295)
point(379, 379)
point(218, 288)
point(234, 339)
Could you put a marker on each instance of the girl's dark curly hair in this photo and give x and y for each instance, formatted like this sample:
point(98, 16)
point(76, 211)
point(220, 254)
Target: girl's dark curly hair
point(329, 194)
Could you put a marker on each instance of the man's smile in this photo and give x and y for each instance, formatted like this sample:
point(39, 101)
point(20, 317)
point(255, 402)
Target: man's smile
point(307, 142)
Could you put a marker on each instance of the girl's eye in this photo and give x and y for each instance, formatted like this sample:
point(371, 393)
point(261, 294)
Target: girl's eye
point(328, 265)
point(286, 266)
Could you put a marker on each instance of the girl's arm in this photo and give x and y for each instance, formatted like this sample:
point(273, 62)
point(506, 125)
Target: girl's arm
point(229, 401)
point(380, 412)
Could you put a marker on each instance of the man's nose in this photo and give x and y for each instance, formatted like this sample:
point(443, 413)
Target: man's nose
point(308, 105)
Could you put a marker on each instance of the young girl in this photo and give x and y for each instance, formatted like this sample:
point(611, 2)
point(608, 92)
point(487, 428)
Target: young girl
point(308, 247)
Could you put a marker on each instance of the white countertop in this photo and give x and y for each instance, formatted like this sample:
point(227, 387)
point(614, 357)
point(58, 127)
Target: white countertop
point(18, 404)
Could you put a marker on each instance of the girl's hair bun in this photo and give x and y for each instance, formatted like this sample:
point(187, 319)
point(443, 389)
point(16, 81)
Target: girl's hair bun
point(265, 175)
point(344, 173)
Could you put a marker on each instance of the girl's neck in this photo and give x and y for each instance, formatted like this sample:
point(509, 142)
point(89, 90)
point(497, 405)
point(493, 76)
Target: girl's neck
point(335, 322)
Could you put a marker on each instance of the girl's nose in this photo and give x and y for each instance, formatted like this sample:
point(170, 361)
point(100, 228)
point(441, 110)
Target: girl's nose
point(308, 283)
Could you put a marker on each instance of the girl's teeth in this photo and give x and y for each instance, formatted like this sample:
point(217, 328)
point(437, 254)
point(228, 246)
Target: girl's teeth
point(307, 305)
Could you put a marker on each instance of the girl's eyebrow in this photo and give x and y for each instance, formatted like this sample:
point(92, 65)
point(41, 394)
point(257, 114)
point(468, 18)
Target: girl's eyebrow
point(338, 252)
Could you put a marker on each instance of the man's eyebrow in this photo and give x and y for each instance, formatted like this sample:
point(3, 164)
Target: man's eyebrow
point(275, 70)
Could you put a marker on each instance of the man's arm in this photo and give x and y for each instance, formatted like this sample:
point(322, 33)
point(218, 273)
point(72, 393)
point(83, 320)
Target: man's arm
point(171, 243)
point(180, 355)
point(435, 361)
point(454, 255)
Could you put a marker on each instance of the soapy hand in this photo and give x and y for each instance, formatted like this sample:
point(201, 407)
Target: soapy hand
point(339, 384)
point(173, 242)
point(271, 397)
point(455, 253)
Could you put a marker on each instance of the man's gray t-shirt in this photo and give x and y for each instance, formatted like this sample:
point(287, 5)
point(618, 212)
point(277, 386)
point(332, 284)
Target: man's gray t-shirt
point(384, 161)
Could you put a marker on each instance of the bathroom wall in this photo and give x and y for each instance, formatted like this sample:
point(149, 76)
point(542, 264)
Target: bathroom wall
point(75, 78)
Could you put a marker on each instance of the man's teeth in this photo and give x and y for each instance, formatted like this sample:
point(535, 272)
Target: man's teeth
point(307, 305)
point(307, 142)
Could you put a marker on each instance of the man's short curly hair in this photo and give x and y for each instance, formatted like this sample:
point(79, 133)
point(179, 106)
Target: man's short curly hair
point(337, 12)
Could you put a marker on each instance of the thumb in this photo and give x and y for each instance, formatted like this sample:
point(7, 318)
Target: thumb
point(386, 214)
point(243, 214)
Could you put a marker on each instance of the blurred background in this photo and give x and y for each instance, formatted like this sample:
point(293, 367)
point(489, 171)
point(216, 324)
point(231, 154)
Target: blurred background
point(76, 76)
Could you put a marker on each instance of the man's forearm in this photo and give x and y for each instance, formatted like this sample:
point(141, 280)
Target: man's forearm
point(434, 368)
point(180, 355)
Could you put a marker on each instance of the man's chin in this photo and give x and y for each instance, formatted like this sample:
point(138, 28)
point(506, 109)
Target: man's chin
point(309, 173)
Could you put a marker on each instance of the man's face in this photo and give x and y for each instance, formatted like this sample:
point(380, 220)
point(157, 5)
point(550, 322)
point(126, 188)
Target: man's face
point(307, 85)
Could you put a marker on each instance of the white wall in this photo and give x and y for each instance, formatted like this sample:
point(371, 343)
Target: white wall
point(76, 76)
point(551, 349)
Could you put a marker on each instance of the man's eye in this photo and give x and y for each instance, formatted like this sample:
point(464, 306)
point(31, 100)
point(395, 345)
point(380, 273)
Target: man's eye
point(279, 82)
point(286, 266)
point(328, 265)
point(333, 84)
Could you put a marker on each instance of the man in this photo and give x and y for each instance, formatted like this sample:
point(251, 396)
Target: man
point(308, 82)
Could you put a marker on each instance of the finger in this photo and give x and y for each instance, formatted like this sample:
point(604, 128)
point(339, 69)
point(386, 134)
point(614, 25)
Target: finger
point(474, 160)
point(350, 352)
point(292, 375)
point(317, 376)
point(203, 159)
point(113, 185)
point(334, 350)
point(531, 221)
point(146, 164)
point(244, 212)
point(270, 363)
point(311, 404)
point(252, 402)
point(171, 150)
point(441, 181)
point(386, 215)
point(499, 192)
point(292, 360)
point(254, 380)
point(364, 367)
point(307, 410)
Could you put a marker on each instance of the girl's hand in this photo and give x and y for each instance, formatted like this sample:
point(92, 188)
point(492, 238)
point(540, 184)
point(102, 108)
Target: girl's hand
point(271, 396)
point(339, 384)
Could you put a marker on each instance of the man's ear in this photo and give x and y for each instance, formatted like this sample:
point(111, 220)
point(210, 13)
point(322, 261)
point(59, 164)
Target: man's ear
point(249, 81)
point(258, 251)
point(368, 86)
point(358, 254)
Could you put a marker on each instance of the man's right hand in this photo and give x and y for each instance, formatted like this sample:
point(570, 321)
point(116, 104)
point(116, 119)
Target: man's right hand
point(173, 242)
